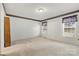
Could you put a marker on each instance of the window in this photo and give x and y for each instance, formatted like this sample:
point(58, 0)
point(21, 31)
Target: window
point(44, 26)
point(69, 26)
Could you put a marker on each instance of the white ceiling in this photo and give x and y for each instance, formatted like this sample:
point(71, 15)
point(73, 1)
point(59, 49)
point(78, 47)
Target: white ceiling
point(29, 9)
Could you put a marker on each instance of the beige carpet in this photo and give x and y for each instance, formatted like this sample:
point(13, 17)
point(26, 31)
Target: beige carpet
point(40, 47)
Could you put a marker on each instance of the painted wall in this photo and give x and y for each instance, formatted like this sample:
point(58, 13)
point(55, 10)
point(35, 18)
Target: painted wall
point(55, 31)
point(2, 14)
point(23, 28)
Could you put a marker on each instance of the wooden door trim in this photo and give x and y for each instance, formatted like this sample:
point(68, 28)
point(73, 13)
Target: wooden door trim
point(7, 38)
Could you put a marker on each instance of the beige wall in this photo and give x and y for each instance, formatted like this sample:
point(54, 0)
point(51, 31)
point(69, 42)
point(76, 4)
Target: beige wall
point(55, 31)
point(2, 14)
point(23, 28)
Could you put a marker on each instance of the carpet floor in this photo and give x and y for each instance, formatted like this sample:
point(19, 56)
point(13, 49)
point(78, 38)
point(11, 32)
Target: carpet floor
point(40, 47)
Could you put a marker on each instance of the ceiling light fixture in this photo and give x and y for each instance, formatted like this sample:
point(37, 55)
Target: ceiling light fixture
point(41, 10)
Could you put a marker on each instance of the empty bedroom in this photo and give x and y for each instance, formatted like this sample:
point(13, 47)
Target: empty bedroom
point(39, 29)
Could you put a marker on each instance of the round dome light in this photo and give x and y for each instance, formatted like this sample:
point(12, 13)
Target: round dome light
point(41, 9)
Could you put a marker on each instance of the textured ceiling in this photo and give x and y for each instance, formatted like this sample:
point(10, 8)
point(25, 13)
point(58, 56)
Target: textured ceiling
point(29, 9)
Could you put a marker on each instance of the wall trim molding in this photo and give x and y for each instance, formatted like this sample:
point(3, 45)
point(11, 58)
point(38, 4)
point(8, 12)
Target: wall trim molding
point(4, 8)
point(18, 16)
point(36, 19)
point(22, 17)
point(61, 15)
